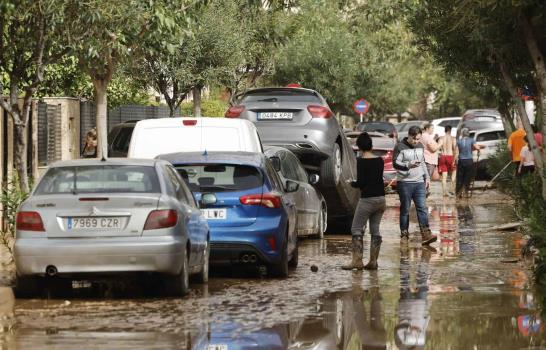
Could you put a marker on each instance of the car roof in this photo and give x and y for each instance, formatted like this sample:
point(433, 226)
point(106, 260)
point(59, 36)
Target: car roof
point(242, 158)
point(203, 121)
point(383, 143)
point(482, 112)
point(439, 120)
point(273, 89)
point(481, 131)
point(107, 161)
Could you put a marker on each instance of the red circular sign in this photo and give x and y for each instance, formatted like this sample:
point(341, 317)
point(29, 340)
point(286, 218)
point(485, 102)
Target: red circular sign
point(361, 106)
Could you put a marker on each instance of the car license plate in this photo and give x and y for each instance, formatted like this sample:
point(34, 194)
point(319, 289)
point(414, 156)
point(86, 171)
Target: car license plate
point(90, 223)
point(217, 347)
point(275, 116)
point(214, 214)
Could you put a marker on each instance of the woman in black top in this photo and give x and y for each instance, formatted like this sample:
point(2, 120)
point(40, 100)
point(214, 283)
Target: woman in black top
point(371, 206)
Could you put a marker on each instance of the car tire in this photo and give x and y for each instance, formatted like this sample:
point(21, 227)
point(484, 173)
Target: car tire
point(203, 276)
point(179, 284)
point(293, 263)
point(281, 268)
point(27, 287)
point(322, 222)
point(330, 169)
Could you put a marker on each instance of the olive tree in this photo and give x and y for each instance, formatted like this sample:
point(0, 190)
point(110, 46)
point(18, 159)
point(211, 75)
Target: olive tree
point(30, 40)
point(103, 34)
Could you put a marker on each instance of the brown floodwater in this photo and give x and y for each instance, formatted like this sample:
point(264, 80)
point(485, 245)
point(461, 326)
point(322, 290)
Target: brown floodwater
point(470, 291)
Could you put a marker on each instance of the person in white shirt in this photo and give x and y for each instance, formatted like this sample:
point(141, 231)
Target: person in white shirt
point(527, 159)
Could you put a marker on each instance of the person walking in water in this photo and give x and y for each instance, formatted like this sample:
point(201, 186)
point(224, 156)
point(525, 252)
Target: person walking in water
point(446, 163)
point(370, 207)
point(431, 148)
point(465, 163)
point(412, 182)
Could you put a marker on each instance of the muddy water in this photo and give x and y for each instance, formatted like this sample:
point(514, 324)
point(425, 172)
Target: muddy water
point(470, 292)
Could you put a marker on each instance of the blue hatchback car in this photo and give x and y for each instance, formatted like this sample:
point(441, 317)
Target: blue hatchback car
point(251, 218)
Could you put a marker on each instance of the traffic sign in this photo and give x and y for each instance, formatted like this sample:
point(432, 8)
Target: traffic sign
point(361, 106)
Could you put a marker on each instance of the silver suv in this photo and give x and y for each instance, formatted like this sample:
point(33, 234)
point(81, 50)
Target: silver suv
point(301, 120)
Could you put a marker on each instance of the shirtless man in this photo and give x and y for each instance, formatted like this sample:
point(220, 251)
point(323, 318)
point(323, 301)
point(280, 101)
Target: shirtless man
point(446, 163)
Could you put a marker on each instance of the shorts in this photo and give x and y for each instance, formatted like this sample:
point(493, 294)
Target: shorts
point(446, 164)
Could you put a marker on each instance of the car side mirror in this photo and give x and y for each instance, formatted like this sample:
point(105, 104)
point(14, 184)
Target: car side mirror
point(314, 179)
point(291, 186)
point(276, 163)
point(391, 135)
point(207, 199)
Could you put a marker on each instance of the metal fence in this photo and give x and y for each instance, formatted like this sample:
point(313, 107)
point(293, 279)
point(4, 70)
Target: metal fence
point(119, 115)
point(49, 133)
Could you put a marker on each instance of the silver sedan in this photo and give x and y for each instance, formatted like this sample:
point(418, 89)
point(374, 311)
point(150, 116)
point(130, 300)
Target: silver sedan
point(92, 217)
point(311, 208)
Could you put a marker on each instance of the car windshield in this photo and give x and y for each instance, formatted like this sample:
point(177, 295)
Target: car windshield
point(290, 95)
point(379, 127)
point(99, 179)
point(220, 177)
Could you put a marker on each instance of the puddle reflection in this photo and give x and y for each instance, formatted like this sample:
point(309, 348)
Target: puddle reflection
point(459, 296)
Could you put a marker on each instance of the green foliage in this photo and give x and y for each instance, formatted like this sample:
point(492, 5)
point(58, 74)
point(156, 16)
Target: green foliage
point(11, 198)
point(209, 108)
point(67, 79)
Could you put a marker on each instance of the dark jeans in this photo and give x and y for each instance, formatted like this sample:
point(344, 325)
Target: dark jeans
point(465, 173)
point(368, 209)
point(415, 191)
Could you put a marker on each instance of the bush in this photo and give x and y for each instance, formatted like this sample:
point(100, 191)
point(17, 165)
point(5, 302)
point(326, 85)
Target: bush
point(529, 205)
point(11, 198)
point(209, 108)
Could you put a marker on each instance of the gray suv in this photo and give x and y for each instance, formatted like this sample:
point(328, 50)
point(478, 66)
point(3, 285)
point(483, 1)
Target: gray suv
point(301, 120)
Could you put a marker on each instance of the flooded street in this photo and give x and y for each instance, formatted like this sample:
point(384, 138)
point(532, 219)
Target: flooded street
point(468, 292)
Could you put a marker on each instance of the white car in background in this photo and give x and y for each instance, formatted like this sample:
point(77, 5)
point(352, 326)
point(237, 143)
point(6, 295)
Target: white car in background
point(490, 138)
point(441, 123)
point(152, 137)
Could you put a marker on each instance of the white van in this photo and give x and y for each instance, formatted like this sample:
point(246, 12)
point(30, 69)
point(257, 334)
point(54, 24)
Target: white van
point(152, 137)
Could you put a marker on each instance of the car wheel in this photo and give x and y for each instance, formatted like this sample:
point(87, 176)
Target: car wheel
point(330, 169)
point(281, 268)
point(27, 287)
point(203, 276)
point(295, 257)
point(322, 222)
point(179, 284)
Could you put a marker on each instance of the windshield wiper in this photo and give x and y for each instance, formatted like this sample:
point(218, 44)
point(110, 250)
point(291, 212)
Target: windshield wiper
point(271, 99)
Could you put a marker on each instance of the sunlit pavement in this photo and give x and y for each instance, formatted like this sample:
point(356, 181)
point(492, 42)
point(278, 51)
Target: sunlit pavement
point(469, 292)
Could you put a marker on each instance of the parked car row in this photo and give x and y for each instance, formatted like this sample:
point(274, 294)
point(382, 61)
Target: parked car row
point(193, 192)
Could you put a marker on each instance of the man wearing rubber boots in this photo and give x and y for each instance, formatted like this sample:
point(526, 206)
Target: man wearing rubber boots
point(412, 182)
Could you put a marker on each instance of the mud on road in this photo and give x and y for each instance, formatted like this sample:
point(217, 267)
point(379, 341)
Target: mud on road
point(458, 295)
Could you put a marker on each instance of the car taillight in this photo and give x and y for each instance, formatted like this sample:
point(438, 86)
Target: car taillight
point(319, 111)
point(189, 122)
point(29, 221)
point(234, 111)
point(268, 200)
point(388, 155)
point(161, 219)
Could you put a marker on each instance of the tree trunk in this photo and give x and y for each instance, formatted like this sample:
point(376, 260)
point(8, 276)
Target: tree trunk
point(197, 102)
point(540, 68)
point(511, 86)
point(20, 155)
point(101, 103)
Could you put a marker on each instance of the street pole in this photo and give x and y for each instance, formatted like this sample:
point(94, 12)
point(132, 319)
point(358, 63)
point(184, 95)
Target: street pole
point(361, 116)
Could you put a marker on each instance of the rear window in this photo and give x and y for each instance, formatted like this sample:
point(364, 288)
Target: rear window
point(121, 142)
point(379, 127)
point(99, 179)
point(220, 177)
point(281, 96)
